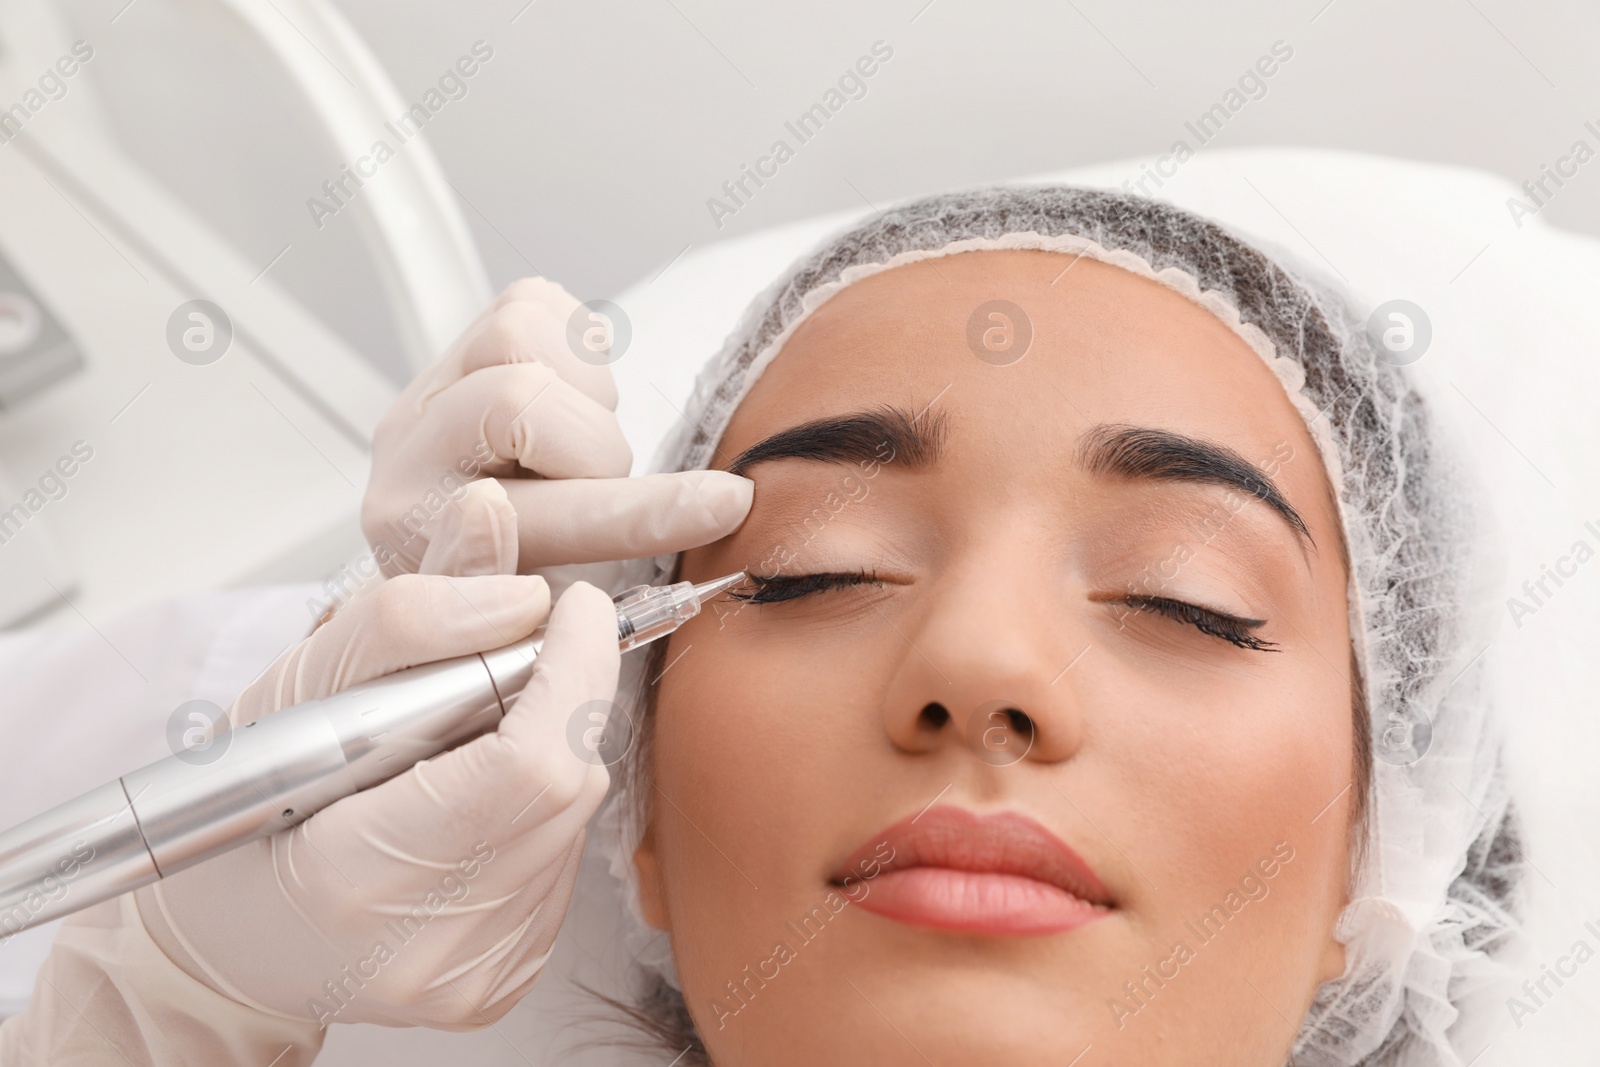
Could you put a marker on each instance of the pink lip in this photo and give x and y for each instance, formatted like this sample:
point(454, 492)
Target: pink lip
point(1004, 873)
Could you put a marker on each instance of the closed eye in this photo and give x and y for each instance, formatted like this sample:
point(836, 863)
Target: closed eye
point(1234, 629)
point(1231, 628)
point(781, 587)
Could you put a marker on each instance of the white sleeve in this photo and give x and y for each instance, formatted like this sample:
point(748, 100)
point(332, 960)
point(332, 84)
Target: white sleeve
point(108, 995)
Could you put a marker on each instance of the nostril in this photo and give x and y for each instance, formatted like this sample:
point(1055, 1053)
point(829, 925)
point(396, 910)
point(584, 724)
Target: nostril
point(1020, 722)
point(935, 715)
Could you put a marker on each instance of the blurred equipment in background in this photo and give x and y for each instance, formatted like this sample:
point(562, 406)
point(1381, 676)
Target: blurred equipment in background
point(35, 350)
point(170, 419)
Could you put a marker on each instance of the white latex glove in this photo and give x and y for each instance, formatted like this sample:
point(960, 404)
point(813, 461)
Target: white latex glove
point(107, 994)
point(511, 400)
point(434, 898)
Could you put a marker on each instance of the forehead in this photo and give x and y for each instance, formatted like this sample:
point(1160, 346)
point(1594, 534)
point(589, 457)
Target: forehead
point(1103, 346)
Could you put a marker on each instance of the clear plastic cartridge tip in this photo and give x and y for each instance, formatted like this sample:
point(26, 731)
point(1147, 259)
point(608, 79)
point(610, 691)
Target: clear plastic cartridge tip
point(647, 612)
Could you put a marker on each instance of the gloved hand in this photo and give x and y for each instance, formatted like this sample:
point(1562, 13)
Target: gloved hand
point(512, 400)
point(434, 898)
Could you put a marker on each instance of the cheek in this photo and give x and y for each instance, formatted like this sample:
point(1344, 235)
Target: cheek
point(759, 742)
point(1219, 777)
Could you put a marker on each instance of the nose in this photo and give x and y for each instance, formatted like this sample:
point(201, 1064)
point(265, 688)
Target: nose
point(989, 666)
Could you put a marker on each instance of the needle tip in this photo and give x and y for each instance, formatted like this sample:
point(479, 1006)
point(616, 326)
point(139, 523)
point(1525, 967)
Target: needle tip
point(704, 591)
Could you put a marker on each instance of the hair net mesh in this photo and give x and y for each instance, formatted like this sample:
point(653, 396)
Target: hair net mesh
point(1436, 872)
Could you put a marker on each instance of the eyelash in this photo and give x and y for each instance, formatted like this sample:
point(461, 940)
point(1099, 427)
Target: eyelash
point(1226, 627)
point(783, 587)
point(1230, 628)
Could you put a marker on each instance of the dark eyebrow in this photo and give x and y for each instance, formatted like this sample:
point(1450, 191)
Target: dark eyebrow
point(883, 435)
point(1160, 455)
point(891, 434)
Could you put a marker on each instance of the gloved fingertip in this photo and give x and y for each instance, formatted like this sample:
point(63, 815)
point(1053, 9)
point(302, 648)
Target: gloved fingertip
point(583, 598)
point(726, 497)
point(586, 610)
point(516, 601)
point(487, 491)
point(477, 534)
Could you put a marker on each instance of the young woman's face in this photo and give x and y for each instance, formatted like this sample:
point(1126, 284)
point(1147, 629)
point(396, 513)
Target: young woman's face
point(1070, 769)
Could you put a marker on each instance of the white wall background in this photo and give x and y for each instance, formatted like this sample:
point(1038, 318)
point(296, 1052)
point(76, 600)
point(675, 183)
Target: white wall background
point(587, 147)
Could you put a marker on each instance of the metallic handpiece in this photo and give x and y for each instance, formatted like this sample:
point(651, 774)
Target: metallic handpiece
point(278, 771)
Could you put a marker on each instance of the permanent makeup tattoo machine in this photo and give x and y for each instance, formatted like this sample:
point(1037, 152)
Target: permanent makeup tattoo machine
point(280, 770)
